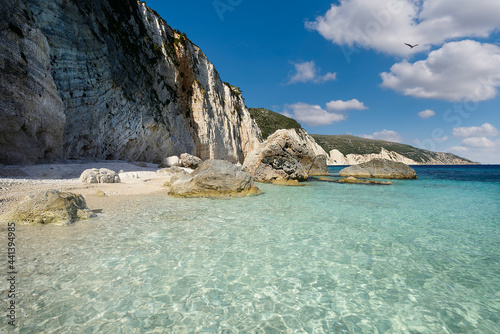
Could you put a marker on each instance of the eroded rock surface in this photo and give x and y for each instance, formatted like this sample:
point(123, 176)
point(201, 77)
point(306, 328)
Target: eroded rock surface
point(215, 178)
point(286, 154)
point(50, 207)
point(380, 168)
point(101, 175)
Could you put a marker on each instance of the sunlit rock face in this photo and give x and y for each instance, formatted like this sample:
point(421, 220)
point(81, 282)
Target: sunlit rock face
point(111, 80)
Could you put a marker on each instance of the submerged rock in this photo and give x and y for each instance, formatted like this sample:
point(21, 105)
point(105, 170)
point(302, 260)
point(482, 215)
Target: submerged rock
point(284, 155)
point(381, 169)
point(50, 207)
point(289, 183)
point(215, 178)
point(354, 180)
point(102, 175)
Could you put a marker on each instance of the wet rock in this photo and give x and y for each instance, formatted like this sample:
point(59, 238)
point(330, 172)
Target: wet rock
point(50, 207)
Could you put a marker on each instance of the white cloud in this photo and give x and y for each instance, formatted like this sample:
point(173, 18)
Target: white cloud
point(465, 70)
point(308, 72)
point(340, 105)
point(387, 135)
point(385, 25)
point(480, 142)
point(458, 149)
point(312, 114)
point(485, 130)
point(426, 113)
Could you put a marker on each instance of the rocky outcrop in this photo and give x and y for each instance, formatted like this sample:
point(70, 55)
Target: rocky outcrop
point(353, 180)
point(110, 79)
point(50, 207)
point(380, 168)
point(286, 154)
point(215, 178)
point(319, 166)
point(190, 161)
point(102, 175)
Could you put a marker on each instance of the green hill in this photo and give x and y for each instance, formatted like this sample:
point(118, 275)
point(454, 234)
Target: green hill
point(270, 121)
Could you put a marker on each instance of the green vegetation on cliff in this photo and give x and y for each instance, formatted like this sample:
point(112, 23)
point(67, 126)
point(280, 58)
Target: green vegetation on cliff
point(270, 121)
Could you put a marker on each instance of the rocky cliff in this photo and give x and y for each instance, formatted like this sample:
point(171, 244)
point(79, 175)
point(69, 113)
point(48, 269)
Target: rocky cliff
point(109, 79)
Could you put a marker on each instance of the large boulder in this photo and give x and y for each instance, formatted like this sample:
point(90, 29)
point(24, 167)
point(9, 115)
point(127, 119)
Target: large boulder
point(319, 166)
point(215, 178)
point(50, 207)
point(173, 161)
point(190, 161)
point(286, 155)
point(171, 174)
point(102, 175)
point(380, 169)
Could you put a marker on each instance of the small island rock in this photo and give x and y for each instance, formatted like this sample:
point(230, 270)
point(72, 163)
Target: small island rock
point(381, 169)
point(50, 207)
point(215, 178)
point(102, 175)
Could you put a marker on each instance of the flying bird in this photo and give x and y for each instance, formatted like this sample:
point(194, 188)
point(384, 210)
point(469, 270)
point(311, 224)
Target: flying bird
point(411, 46)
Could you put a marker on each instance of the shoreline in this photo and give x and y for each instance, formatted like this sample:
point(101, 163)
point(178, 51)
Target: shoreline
point(17, 182)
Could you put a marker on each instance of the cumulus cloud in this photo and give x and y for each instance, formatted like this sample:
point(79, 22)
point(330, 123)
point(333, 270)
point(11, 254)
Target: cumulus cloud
point(387, 135)
point(308, 72)
point(385, 25)
point(465, 70)
point(480, 142)
point(312, 114)
point(340, 105)
point(485, 130)
point(426, 113)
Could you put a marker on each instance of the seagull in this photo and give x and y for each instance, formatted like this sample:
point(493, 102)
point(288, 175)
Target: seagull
point(411, 46)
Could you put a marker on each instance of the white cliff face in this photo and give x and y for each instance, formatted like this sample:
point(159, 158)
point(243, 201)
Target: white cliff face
point(116, 83)
point(432, 158)
point(337, 158)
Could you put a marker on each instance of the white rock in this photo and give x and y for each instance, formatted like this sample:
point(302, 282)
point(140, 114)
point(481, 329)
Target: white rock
point(102, 175)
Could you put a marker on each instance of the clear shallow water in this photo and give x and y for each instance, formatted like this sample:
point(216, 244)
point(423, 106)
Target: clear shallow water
point(420, 256)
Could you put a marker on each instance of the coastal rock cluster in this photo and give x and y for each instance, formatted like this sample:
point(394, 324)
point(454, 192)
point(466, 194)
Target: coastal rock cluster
point(111, 80)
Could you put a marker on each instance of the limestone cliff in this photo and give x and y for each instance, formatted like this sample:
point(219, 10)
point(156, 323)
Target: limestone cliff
point(110, 79)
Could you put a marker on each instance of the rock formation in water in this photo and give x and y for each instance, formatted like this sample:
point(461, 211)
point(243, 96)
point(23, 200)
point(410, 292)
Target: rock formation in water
point(215, 178)
point(50, 207)
point(110, 79)
point(380, 168)
point(286, 154)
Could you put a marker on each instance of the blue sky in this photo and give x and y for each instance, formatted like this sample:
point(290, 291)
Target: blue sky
point(342, 67)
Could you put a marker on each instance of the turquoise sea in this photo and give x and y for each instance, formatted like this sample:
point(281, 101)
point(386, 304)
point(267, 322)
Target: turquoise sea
point(419, 256)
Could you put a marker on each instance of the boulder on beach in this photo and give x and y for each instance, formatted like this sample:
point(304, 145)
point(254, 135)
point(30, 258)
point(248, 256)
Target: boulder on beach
point(284, 155)
point(102, 175)
point(50, 207)
point(190, 161)
point(215, 178)
point(380, 169)
point(172, 174)
point(173, 161)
